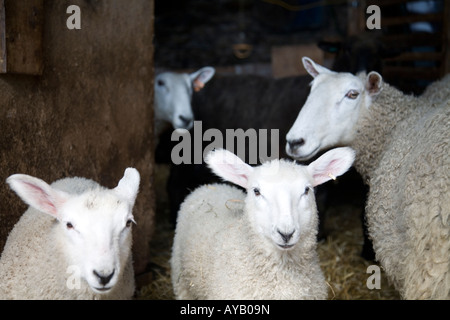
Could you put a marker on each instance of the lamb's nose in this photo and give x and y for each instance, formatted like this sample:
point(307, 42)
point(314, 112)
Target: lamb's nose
point(185, 120)
point(294, 144)
point(286, 236)
point(104, 279)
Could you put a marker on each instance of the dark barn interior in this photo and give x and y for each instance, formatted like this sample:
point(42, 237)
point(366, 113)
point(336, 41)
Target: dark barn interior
point(80, 102)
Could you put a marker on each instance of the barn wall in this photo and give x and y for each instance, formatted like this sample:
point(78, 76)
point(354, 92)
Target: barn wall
point(90, 112)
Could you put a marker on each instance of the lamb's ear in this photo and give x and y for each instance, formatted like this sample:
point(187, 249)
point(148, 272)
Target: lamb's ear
point(331, 164)
point(128, 186)
point(313, 68)
point(37, 193)
point(229, 167)
point(201, 76)
point(374, 82)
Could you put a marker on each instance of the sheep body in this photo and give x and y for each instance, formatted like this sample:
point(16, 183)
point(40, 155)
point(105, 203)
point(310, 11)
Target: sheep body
point(221, 250)
point(409, 205)
point(438, 90)
point(402, 146)
point(35, 263)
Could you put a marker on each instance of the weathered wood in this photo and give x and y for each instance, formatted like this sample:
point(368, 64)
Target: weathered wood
point(446, 39)
point(21, 36)
point(2, 38)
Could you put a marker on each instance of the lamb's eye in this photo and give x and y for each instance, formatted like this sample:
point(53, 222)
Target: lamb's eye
point(307, 189)
point(257, 192)
point(160, 83)
point(129, 223)
point(69, 225)
point(352, 94)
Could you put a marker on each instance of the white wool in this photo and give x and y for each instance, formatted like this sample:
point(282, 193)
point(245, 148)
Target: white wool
point(73, 242)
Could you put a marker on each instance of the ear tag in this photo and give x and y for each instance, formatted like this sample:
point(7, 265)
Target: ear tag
point(332, 177)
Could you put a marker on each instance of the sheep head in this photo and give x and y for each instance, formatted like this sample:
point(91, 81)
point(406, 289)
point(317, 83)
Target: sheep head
point(280, 201)
point(173, 94)
point(330, 114)
point(93, 227)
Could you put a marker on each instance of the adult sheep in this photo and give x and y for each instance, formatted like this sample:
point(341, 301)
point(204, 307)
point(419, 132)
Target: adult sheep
point(255, 245)
point(73, 242)
point(402, 145)
point(173, 95)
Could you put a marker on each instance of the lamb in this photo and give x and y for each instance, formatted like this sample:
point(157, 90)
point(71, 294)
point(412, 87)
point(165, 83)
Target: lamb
point(258, 245)
point(73, 242)
point(402, 145)
point(173, 95)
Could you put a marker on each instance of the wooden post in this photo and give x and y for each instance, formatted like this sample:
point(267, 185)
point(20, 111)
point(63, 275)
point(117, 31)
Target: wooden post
point(356, 17)
point(2, 38)
point(21, 26)
point(446, 40)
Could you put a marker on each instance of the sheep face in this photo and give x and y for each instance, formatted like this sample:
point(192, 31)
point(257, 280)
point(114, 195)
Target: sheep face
point(331, 112)
point(173, 100)
point(96, 229)
point(93, 228)
point(280, 202)
point(173, 94)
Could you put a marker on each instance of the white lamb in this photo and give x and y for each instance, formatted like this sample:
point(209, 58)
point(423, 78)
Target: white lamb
point(259, 245)
point(402, 145)
point(73, 242)
point(173, 95)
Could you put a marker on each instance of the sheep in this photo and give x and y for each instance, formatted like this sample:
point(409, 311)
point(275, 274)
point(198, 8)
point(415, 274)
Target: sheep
point(73, 242)
point(173, 95)
point(258, 245)
point(402, 145)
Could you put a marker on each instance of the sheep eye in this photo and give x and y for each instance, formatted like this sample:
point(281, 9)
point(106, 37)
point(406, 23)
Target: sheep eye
point(129, 223)
point(160, 83)
point(257, 192)
point(307, 189)
point(352, 94)
point(69, 225)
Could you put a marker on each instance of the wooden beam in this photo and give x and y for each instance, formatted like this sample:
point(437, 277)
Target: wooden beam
point(417, 56)
point(446, 39)
point(393, 21)
point(3, 64)
point(22, 35)
point(425, 73)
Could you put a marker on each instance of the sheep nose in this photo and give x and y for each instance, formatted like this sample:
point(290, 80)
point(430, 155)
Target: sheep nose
point(185, 120)
point(104, 279)
point(286, 236)
point(294, 144)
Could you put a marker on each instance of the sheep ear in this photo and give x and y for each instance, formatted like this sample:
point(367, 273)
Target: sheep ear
point(374, 82)
point(128, 186)
point(37, 193)
point(200, 77)
point(313, 68)
point(331, 164)
point(229, 167)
